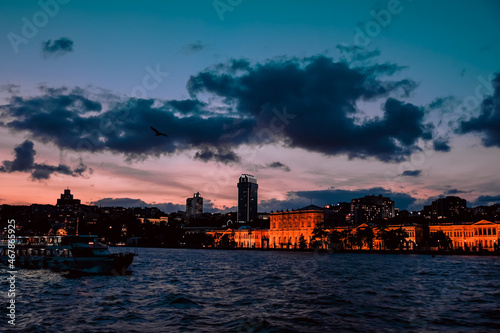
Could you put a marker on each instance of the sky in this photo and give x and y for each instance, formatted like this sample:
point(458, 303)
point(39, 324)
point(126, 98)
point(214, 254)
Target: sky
point(322, 101)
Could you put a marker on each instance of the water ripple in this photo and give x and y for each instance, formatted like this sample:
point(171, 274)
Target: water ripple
point(175, 290)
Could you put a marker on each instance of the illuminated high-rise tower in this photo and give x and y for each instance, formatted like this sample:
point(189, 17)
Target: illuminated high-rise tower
point(194, 205)
point(247, 198)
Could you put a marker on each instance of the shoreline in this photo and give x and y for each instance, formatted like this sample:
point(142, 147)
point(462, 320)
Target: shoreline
point(402, 252)
point(407, 252)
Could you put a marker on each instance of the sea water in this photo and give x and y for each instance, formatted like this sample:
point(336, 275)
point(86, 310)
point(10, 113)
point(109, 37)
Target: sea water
point(185, 290)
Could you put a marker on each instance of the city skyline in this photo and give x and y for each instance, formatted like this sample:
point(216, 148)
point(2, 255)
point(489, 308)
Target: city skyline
point(321, 102)
point(371, 207)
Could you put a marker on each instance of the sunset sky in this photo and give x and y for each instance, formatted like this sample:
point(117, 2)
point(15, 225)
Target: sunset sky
point(319, 100)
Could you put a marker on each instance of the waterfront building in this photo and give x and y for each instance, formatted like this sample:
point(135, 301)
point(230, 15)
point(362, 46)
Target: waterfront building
point(482, 235)
point(287, 227)
point(414, 241)
point(251, 238)
point(247, 198)
point(371, 208)
point(194, 205)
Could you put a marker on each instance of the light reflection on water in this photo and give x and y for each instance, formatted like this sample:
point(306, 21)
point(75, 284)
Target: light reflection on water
point(173, 290)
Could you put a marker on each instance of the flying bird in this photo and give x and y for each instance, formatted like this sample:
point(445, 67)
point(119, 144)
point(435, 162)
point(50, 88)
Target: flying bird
point(158, 133)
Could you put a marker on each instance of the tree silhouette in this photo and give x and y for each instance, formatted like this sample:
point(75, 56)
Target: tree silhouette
point(365, 236)
point(345, 236)
point(302, 242)
point(320, 236)
point(440, 240)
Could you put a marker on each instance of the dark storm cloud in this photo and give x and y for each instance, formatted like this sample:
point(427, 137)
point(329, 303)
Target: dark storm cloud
point(356, 53)
point(217, 154)
point(321, 96)
point(24, 161)
point(455, 191)
point(296, 200)
point(209, 207)
point(57, 47)
point(411, 173)
point(24, 158)
point(487, 123)
point(308, 103)
point(441, 145)
point(442, 102)
point(188, 106)
point(279, 165)
point(74, 122)
point(120, 202)
point(487, 199)
point(194, 47)
point(44, 171)
point(166, 207)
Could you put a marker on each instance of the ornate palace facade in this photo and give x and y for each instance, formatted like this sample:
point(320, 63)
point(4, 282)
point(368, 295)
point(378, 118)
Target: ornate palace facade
point(479, 235)
point(288, 227)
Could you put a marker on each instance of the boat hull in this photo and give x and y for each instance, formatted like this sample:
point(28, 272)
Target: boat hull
point(73, 254)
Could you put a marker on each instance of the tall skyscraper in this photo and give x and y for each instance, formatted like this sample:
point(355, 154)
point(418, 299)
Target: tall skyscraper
point(194, 205)
point(247, 198)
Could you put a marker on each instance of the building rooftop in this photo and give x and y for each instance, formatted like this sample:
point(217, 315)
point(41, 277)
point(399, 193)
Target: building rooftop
point(246, 178)
point(312, 207)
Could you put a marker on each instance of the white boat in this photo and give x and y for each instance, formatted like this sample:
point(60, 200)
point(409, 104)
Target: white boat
point(78, 254)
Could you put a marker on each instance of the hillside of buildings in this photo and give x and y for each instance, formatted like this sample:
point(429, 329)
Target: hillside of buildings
point(371, 222)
